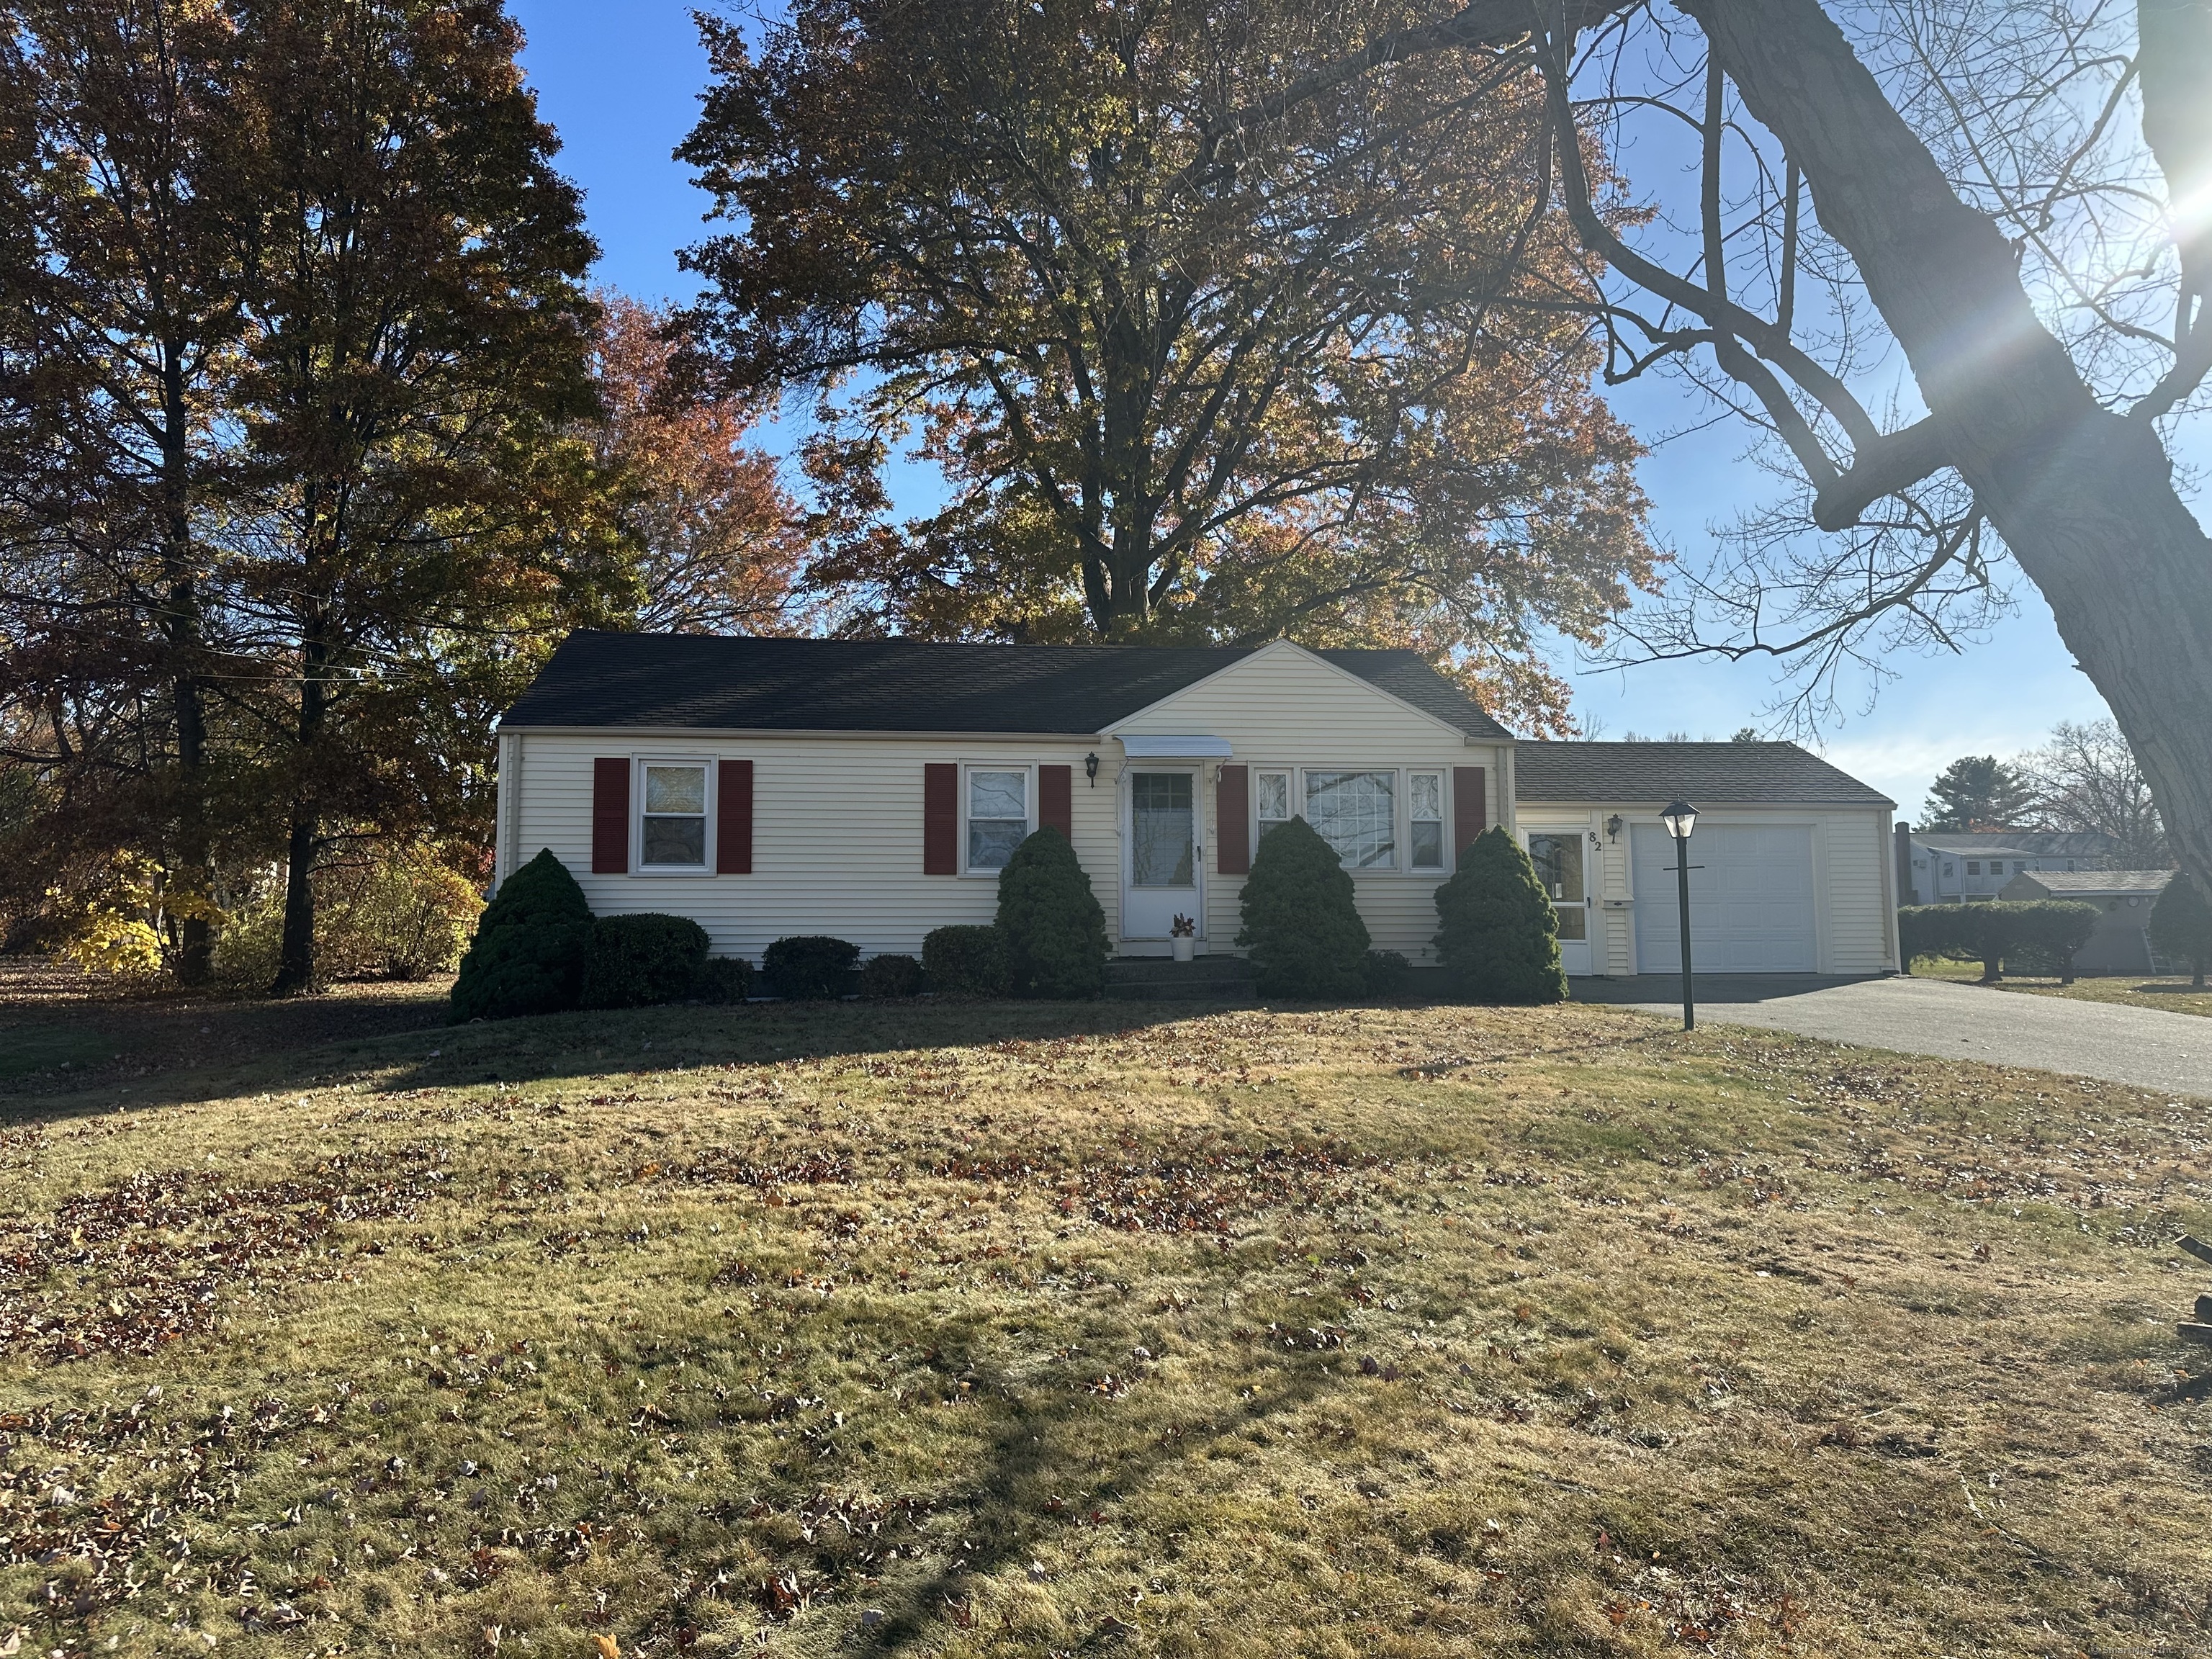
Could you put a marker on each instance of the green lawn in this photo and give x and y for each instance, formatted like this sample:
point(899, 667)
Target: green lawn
point(2173, 994)
point(1034, 1329)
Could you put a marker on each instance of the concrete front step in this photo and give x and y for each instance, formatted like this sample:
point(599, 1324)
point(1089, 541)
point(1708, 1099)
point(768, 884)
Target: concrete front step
point(1163, 978)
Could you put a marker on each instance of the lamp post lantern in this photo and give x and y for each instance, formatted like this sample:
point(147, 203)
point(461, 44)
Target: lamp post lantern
point(1680, 819)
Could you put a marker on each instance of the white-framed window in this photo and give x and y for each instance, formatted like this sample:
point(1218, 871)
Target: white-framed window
point(998, 809)
point(671, 817)
point(1356, 813)
point(1974, 867)
point(1271, 801)
point(1424, 820)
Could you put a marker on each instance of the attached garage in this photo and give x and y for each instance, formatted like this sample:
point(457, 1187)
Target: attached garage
point(1791, 870)
point(1751, 900)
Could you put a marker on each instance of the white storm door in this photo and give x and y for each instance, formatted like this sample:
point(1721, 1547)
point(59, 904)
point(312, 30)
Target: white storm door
point(1161, 864)
point(1751, 900)
point(1558, 856)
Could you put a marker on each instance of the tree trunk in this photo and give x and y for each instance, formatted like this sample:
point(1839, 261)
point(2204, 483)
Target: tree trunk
point(295, 959)
point(2084, 498)
point(181, 628)
point(296, 963)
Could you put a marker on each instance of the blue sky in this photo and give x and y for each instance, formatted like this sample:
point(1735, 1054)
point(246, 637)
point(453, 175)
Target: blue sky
point(621, 83)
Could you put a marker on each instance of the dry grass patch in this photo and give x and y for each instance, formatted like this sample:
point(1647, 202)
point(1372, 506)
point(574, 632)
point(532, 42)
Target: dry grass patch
point(1029, 1330)
point(2172, 994)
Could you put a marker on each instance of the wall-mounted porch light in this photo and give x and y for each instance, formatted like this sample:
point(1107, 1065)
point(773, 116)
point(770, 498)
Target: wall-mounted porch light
point(1091, 767)
point(1613, 828)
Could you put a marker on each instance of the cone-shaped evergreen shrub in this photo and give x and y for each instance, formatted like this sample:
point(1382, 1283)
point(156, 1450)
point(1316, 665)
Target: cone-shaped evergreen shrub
point(1500, 936)
point(639, 960)
point(531, 944)
point(2181, 925)
point(1302, 929)
point(1055, 933)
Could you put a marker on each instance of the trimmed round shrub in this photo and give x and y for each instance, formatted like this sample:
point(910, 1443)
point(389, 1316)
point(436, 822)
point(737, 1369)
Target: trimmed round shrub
point(2037, 937)
point(809, 966)
point(2181, 925)
point(1389, 972)
point(891, 975)
point(723, 979)
point(530, 949)
point(1498, 933)
point(639, 960)
point(1055, 933)
point(2045, 933)
point(966, 961)
point(1302, 928)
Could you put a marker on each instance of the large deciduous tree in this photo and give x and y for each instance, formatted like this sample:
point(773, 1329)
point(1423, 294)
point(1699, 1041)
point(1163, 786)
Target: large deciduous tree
point(125, 242)
point(1964, 182)
point(1325, 374)
point(721, 548)
point(418, 342)
point(2085, 779)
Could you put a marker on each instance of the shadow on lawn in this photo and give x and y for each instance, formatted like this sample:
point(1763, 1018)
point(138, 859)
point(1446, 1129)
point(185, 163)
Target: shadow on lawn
point(175, 1051)
point(1026, 1472)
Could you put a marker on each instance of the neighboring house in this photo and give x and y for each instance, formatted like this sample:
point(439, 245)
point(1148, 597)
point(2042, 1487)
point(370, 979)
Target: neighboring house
point(1946, 867)
point(872, 789)
point(2121, 943)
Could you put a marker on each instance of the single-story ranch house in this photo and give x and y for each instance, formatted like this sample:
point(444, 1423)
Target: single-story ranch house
point(872, 789)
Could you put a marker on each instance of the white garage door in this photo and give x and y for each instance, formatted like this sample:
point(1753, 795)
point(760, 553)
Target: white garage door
point(1751, 906)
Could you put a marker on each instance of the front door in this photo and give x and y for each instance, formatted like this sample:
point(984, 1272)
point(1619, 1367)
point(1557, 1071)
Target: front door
point(1161, 871)
point(1558, 856)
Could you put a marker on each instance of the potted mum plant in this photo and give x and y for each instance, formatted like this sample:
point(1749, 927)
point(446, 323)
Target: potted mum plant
point(1182, 936)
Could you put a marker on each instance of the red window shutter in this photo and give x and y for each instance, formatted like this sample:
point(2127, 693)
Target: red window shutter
point(609, 818)
point(940, 819)
point(1056, 799)
point(1468, 811)
point(1232, 829)
point(733, 833)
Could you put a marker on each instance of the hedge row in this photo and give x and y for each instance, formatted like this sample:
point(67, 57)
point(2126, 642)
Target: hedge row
point(2040, 938)
point(539, 949)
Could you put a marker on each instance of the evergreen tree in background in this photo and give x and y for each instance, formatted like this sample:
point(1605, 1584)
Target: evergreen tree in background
point(1979, 792)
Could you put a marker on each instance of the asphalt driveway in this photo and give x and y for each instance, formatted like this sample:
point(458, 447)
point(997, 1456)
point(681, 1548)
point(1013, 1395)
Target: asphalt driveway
point(2140, 1046)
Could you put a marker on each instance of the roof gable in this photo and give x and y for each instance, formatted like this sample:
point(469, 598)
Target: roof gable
point(1402, 678)
point(687, 682)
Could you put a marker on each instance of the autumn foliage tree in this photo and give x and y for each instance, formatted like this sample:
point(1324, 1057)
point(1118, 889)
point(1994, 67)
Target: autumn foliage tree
point(1322, 375)
point(719, 546)
point(2014, 203)
point(296, 364)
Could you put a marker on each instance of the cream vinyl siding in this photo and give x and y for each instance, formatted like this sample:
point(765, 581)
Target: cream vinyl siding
point(837, 832)
point(1853, 916)
point(1283, 708)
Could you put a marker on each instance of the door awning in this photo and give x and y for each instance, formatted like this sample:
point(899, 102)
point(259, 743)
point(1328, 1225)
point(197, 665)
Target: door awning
point(1160, 745)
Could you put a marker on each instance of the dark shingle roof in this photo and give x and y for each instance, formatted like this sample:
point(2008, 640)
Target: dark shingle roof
point(2096, 881)
point(1702, 773)
point(714, 682)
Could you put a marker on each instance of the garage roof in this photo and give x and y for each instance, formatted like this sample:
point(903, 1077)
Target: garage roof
point(1704, 773)
point(702, 682)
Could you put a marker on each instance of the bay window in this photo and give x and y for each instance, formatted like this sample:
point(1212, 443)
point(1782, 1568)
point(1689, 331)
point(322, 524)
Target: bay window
point(1356, 814)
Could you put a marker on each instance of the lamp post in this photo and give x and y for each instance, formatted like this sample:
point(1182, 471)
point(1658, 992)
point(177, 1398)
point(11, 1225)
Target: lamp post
point(1681, 818)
